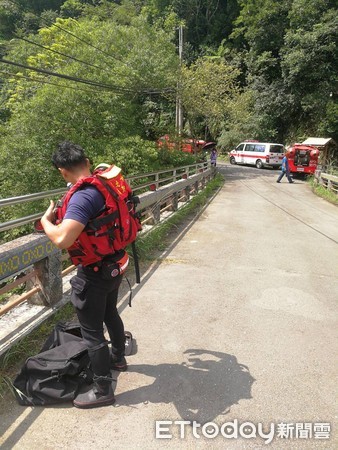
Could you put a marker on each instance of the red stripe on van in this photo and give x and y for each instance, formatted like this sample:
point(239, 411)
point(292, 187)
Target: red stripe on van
point(250, 156)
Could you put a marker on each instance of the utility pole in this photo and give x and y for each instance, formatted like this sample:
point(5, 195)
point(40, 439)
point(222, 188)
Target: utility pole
point(179, 112)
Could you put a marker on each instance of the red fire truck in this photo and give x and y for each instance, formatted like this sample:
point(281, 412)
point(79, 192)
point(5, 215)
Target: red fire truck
point(302, 158)
point(186, 145)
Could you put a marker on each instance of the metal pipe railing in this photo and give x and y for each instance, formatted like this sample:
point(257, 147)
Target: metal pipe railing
point(30, 197)
point(20, 222)
point(158, 181)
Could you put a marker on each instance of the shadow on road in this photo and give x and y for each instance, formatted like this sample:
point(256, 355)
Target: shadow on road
point(201, 389)
point(20, 430)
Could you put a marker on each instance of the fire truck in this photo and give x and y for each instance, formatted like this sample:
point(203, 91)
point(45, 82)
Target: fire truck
point(302, 158)
point(185, 145)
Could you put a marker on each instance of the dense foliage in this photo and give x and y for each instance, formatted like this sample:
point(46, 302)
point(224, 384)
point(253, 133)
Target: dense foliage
point(260, 69)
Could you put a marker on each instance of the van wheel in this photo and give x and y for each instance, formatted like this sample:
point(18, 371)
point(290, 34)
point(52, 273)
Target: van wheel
point(259, 164)
point(232, 160)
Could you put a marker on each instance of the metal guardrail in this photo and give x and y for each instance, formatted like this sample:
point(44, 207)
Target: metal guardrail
point(34, 261)
point(327, 180)
point(139, 183)
point(329, 169)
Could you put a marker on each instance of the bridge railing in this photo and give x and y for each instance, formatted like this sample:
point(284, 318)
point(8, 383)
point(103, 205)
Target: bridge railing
point(33, 263)
point(139, 183)
point(328, 178)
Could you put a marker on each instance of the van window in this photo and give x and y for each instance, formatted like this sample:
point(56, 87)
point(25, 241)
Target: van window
point(259, 148)
point(276, 149)
point(250, 147)
point(255, 148)
point(240, 147)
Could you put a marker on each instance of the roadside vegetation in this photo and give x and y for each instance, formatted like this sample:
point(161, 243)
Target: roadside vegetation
point(322, 192)
point(106, 74)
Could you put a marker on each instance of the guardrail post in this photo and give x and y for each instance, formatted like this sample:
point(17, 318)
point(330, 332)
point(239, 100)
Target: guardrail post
point(187, 193)
point(187, 189)
point(156, 213)
point(196, 186)
point(317, 176)
point(174, 201)
point(50, 280)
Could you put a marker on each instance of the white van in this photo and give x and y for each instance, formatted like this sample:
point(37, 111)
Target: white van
point(259, 154)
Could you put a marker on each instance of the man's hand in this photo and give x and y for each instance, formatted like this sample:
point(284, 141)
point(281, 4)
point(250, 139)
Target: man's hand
point(49, 214)
point(64, 234)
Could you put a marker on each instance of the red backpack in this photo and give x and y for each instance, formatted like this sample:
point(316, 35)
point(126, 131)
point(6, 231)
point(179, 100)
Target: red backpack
point(114, 228)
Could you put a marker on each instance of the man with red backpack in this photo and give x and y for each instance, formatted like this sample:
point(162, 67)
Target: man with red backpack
point(94, 221)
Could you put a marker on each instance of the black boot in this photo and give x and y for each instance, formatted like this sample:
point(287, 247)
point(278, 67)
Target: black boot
point(119, 364)
point(101, 394)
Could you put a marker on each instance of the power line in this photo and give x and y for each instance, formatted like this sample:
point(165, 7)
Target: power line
point(93, 46)
point(145, 91)
point(42, 81)
point(60, 53)
point(88, 43)
point(68, 77)
point(89, 82)
point(153, 91)
point(20, 7)
point(39, 80)
point(80, 80)
point(156, 91)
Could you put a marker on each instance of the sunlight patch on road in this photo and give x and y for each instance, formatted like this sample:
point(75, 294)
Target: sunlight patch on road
point(293, 301)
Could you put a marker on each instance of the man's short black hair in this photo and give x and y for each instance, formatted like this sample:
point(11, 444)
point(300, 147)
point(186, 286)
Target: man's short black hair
point(69, 156)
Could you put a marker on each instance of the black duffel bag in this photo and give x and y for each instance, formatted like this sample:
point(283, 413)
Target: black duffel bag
point(57, 372)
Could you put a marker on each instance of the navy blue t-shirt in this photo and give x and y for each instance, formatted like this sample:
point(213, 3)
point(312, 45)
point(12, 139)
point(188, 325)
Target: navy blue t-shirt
point(85, 204)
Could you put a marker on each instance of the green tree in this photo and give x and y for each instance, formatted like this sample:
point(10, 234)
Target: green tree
point(10, 13)
point(290, 56)
point(207, 22)
point(261, 25)
point(242, 123)
point(310, 67)
point(209, 90)
point(257, 39)
point(129, 60)
point(23, 15)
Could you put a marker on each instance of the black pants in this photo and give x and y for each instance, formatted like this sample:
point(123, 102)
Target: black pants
point(95, 301)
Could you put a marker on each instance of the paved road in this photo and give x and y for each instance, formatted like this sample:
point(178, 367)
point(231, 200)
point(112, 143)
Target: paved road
point(236, 324)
